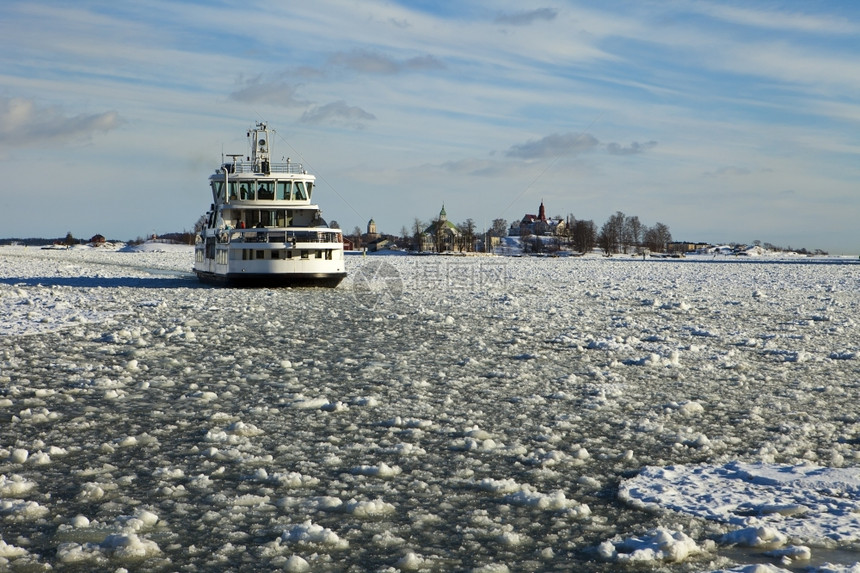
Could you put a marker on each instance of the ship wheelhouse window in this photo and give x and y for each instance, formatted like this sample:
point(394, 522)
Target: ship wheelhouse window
point(246, 192)
point(233, 191)
point(300, 192)
point(218, 190)
point(309, 185)
point(266, 191)
point(284, 191)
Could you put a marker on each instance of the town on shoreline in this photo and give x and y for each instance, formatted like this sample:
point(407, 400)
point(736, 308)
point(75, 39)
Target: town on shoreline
point(536, 234)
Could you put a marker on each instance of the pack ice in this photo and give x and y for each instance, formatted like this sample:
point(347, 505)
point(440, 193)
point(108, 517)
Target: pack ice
point(430, 414)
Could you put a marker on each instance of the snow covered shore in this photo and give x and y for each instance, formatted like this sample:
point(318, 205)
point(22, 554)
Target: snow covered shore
point(431, 413)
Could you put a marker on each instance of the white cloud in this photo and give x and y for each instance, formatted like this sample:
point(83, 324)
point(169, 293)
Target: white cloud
point(632, 149)
point(554, 145)
point(337, 113)
point(24, 123)
point(526, 17)
point(277, 92)
point(777, 19)
point(366, 61)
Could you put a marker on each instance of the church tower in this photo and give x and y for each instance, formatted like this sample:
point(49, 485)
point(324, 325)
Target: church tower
point(372, 235)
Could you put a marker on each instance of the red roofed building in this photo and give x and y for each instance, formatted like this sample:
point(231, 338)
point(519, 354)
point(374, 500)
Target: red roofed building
point(537, 225)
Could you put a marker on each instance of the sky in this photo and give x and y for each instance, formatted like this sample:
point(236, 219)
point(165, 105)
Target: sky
point(725, 121)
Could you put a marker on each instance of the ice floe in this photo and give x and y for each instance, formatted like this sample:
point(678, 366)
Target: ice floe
point(581, 414)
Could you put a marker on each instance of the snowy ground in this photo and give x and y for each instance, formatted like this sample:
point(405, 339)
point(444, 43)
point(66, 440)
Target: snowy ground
point(431, 413)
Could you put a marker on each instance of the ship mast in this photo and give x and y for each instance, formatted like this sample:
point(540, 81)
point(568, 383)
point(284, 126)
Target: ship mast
point(260, 150)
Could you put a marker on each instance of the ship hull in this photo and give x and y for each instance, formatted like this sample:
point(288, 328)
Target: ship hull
point(252, 280)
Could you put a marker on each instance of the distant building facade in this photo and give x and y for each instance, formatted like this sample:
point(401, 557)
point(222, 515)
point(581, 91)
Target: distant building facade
point(442, 235)
point(539, 224)
point(685, 247)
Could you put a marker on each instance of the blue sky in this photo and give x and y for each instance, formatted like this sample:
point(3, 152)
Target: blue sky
point(727, 121)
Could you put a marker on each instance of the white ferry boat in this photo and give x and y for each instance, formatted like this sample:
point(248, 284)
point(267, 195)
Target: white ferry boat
point(262, 229)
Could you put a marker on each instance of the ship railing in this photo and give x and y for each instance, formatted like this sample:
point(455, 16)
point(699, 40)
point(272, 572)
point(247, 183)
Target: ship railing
point(269, 235)
point(262, 167)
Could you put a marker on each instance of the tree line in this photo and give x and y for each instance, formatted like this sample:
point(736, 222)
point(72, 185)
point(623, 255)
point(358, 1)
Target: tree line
point(619, 234)
point(625, 234)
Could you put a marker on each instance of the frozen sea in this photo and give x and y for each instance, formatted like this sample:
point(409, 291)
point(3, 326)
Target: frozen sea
point(430, 414)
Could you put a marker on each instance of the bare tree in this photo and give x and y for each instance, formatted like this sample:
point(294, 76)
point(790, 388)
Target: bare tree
point(584, 235)
point(657, 237)
point(499, 228)
point(604, 240)
point(467, 235)
point(526, 241)
point(632, 232)
point(664, 236)
point(610, 238)
point(417, 232)
point(569, 224)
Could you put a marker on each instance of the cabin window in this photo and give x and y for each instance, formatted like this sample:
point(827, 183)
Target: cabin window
point(304, 254)
point(289, 254)
point(281, 219)
point(218, 190)
point(309, 186)
point(260, 255)
point(246, 192)
point(234, 193)
point(276, 254)
point(284, 190)
point(319, 254)
point(266, 191)
point(300, 192)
